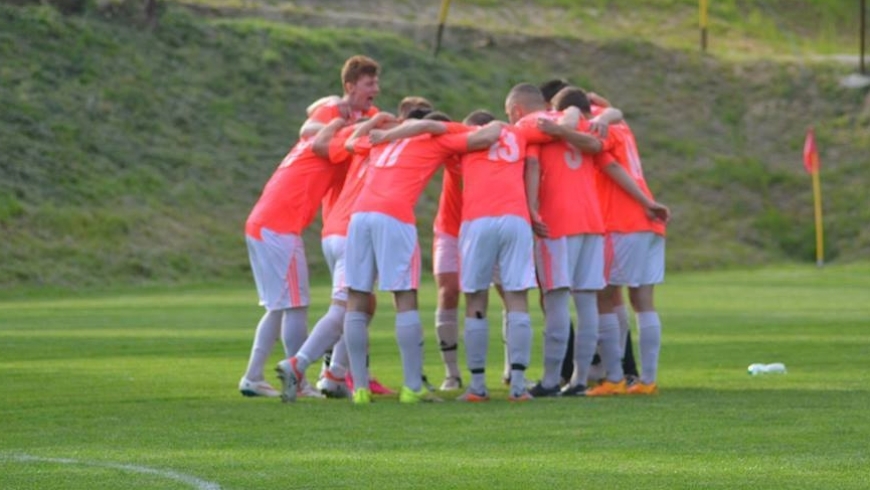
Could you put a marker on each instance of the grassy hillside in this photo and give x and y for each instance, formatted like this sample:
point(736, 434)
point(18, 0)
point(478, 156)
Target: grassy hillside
point(134, 156)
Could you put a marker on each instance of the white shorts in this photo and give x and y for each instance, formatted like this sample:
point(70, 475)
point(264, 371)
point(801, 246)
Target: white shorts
point(575, 262)
point(333, 251)
point(445, 253)
point(380, 246)
point(635, 259)
point(280, 269)
point(496, 247)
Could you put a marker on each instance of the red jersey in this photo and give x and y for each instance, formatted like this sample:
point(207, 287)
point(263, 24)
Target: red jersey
point(292, 195)
point(337, 221)
point(493, 178)
point(622, 213)
point(568, 197)
point(329, 111)
point(399, 170)
point(449, 216)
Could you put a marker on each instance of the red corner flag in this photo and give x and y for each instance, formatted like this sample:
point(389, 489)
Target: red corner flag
point(811, 153)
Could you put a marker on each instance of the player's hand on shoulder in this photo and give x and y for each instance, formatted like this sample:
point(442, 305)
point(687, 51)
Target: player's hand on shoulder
point(382, 118)
point(377, 136)
point(598, 128)
point(548, 127)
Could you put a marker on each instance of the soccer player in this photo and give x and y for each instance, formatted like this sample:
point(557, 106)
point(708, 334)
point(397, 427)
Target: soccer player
point(445, 267)
point(636, 226)
point(334, 237)
point(359, 79)
point(382, 242)
point(569, 251)
point(598, 106)
point(496, 232)
point(273, 233)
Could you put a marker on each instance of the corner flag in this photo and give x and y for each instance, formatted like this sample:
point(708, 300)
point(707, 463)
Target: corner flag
point(811, 164)
point(811, 153)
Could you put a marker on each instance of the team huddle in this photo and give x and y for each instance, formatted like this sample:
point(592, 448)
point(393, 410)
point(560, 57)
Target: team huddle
point(554, 199)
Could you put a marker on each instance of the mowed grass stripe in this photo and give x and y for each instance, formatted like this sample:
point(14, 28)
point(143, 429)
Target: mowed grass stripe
point(139, 381)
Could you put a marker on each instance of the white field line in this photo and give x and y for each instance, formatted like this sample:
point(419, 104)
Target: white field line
point(193, 481)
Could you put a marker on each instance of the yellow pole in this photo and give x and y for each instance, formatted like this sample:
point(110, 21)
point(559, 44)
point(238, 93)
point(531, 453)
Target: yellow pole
point(442, 19)
point(817, 200)
point(702, 8)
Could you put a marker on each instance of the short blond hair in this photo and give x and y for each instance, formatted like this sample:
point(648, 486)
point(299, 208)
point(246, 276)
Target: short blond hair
point(412, 103)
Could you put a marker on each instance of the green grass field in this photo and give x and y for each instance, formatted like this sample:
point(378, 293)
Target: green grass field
point(137, 389)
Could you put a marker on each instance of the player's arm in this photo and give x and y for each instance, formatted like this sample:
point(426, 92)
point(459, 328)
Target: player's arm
point(484, 137)
point(320, 146)
point(584, 142)
point(532, 179)
point(600, 123)
point(598, 100)
point(333, 99)
point(366, 127)
point(408, 129)
point(653, 209)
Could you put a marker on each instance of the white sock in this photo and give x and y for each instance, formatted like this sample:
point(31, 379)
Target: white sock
point(294, 329)
point(324, 335)
point(609, 348)
point(476, 347)
point(556, 330)
point(650, 328)
point(624, 326)
point(409, 336)
point(447, 331)
point(506, 374)
point(586, 336)
point(356, 340)
point(265, 337)
point(340, 361)
point(520, 343)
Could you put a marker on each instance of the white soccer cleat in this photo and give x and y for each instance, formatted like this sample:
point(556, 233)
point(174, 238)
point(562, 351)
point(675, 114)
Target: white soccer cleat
point(451, 383)
point(257, 388)
point(305, 390)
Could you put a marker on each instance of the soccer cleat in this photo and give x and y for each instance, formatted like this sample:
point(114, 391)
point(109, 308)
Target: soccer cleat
point(520, 397)
point(640, 388)
point(631, 380)
point(377, 388)
point(257, 388)
point(596, 375)
point(472, 397)
point(333, 387)
point(407, 395)
point(305, 390)
point(576, 390)
point(539, 391)
point(289, 376)
point(451, 383)
point(607, 388)
point(362, 396)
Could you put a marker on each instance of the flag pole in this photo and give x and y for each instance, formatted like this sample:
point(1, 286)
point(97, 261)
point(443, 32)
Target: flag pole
point(702, 12)
point(442, 19)
point(817, 201)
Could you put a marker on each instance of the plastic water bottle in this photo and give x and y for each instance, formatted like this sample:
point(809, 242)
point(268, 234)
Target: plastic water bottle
point(774, 368)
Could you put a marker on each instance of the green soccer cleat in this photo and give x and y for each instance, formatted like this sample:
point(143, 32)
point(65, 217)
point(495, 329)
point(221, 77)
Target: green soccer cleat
point(361, 396)
point(407, 395)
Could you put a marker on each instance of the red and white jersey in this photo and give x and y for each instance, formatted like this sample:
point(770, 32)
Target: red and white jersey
point(493, 178)
point(398, 171)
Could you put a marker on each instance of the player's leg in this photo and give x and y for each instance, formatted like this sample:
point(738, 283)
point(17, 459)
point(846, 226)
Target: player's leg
point(587, 280)
point(280, 272)
point(648, 322)
point(517, 271)
point(552, 261)
point(446, 269)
